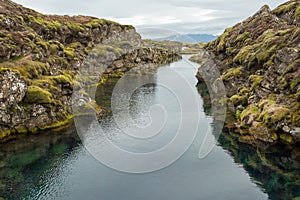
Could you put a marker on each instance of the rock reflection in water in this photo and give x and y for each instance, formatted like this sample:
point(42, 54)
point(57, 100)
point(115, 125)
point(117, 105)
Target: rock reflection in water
point(276, 169)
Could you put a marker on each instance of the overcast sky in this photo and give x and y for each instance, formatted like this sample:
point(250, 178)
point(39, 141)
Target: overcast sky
point(183, 16)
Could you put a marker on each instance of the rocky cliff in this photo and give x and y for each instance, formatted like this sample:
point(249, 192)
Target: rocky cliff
point(40, 55)
point(259, 62)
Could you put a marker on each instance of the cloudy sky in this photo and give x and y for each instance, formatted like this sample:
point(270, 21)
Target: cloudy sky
point(182, 16)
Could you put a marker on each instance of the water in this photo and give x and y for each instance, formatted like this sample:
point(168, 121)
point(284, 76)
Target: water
point(57, 166)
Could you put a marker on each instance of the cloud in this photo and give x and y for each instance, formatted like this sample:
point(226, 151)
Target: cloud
point(185, 16)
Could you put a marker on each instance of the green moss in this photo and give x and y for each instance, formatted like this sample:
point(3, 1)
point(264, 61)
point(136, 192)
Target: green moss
point(243, 36)
point(256, 80)
point(103, 50)
point(286, 138)
point(31, 69)
point(5, 36)
point(243, 90)
point(295, 82)
point(285, 8)
point(52, 25)
point(74, 45)
point(282, 82)
point(297, 12)
point(103, 79)
point(296, 119)
point(38, 95)
point(116, 74)
point(44, 45)
point(61, 79)
point(263, 50)
point(54, 48)
point(233, 72)
point(273, 114)
point(292, 67)
point(58, 124)
point(4, 133)
point(95, 23)
point(21, 130)
point(263, 56)
point(251, 110)
point(266, 103)
point(75, 27)
point(238, 100)
point(246, 54)
point(222, 40)
point(43, 83)
point(69, 53)
point(237, 114)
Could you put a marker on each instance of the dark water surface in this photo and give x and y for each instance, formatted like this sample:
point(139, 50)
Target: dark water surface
point(56, 166)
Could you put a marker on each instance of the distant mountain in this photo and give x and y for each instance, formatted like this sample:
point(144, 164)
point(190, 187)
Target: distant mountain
point(190, 38)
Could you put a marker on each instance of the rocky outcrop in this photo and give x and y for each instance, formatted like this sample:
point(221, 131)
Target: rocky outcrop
point(40, 56)
point(259, 62)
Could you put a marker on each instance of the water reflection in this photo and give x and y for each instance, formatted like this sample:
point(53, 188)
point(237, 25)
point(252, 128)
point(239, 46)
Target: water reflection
point(55, 165)
point(275, 169)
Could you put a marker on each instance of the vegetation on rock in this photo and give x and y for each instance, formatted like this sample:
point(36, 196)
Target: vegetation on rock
point(259, 64)
point(43, 54)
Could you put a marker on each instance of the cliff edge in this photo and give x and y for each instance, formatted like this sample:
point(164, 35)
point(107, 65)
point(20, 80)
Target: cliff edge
point(40, 55)
point(259, 62)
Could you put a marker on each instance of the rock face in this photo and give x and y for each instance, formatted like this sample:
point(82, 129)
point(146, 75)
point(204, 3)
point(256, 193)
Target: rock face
point(260, 65)
point(40, 55)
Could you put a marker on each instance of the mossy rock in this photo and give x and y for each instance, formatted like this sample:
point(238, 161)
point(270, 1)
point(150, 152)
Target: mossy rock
point(246, 54)
point(261, 132)
point(5, 133)
point(233, 72)
point(295, 82)
point(266, 103)
point(243, 90)
point(222, 40)
point(52, 25)
point(285, 8)
point(44, 45)
point(31, 69)
point(243, 37)
point(58, 124)
point(61, 79)
point(274, 114)
point(95, 23)
point(38, 95)
point(297, 15)
point(256, 80)
point(251, 110)
point(238, 100)
point(282, 82)
point(69, 53)
point(296, 119)
point(74, 27)
point(286, 138)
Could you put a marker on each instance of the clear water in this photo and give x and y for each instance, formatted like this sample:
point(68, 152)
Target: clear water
point(56, 166)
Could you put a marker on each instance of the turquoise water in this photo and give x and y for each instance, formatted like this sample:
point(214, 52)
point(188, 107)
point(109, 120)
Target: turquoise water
point(56, 166)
